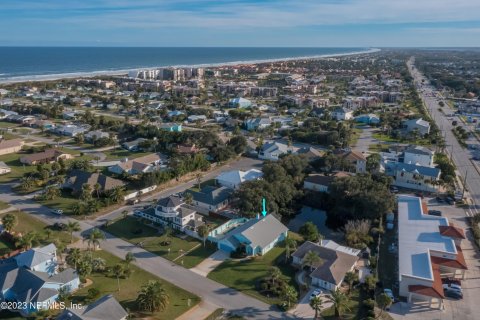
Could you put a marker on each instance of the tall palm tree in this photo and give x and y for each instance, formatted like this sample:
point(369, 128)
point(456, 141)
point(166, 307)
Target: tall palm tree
point(86, 192)
point(117, 194)
point(118, 271)
point(203, 232)
point(350, 278)
point(97, 187)
point(311, 259)
point(290, 245)
point(339, 301)
point(9, 221)
point(129, 258)
point(316, 305)
point(94, 237)
point(274, 274)
point(77, 208)
point(73, 257)
point(71, 227)
point(27, 241)
point(290, 295)
point(153, 297)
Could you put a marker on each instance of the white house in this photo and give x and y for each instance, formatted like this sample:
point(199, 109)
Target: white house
point(334, 263)
point(428, 248)
point(234, 178)
point(149, 163)
point(422, 126)
point(273, 150)
point(418, 155)
point(413, 177)
point(4, 169)
point(341, 113)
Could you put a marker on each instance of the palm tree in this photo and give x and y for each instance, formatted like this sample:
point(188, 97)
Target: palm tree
point(48, 233)
point(188, 198)
point(290, 295)
point(27, 240)
point(311, 259)
point(203, 232)
point(117, 194)
point(77, 208)
point(71, 227)
point(118, 270)
point(274, 274)
point(290, 245)
point(153, 297)
point(339, 301)
point(9, 221)
point(86, 192)
point(26, 184)
point(73, 257)
point(51, 193)
point(129, 258)
point(94, 237)
point(97, 187)
point(383, 302)
point(60, 248)
point(316, 304)
point(350, 278)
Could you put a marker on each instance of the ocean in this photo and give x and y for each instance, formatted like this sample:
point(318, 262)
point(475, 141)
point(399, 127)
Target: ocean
point(36, 63)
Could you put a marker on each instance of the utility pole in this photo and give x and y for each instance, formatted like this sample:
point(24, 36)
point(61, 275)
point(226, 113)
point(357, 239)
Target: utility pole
point(464, 183)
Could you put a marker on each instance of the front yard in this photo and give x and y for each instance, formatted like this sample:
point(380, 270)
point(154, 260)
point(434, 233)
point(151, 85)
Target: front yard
point(135, 231)
point(18, 169)
point(245, 275)
point(129, 288)
point(118, 154)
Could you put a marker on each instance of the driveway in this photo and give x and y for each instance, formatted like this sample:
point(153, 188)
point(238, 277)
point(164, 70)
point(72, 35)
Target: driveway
point(365, 140)
point(303, 309)
point(210, 263)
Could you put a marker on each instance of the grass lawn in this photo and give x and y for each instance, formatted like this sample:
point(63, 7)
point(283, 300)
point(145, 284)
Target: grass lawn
point(18, 169)
point(128, 228)
point(130, 287)
point(27, 223)
point(350, 313)
point(5, 124)
point(64, 202)
point(244, 275)
point(121, 153)
point(386, 138)
point(356, 132)
point(4, 205)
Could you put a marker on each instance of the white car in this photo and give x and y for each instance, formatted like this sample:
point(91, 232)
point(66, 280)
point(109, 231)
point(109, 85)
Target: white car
point(315, 294)
point(57, 211)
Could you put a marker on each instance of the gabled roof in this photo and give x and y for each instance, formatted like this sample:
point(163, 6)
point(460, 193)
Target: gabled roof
point(264, 231)
point(170, 202)
point(47, 154)
point(211, 195)
point(36, 256)
point(355, 155)
point(105, 308)
point(425, 171)
point(419, 150)
point(79, 178)
point(5, 144)
point(239, 176)
point(452, 231)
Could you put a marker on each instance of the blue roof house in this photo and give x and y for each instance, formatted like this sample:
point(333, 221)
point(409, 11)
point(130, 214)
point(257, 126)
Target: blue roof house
point(368, 118)
point(258, 236)
point(239, 103)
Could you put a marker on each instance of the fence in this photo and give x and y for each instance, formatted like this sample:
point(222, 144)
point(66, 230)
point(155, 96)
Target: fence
point(140, 192)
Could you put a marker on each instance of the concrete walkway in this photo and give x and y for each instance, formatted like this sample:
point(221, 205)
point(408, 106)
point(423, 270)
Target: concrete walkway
point(200, 311)
point(210, 263)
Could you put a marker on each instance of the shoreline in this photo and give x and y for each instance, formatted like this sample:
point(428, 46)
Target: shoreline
point(92, 74)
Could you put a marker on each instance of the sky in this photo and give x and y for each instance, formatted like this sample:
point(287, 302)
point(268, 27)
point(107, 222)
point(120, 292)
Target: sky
point(278, 23)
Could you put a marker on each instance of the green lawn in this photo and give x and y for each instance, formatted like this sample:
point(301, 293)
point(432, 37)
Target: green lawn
point(244, 275)
point(130, 287)
point(351, 313)
point(4, 205)
point(5, 124)
point(18, 169)
point(128, 228)
point(64, 202)
point(27, 223)
point(356, 132)
point(121, 153)
point(386, 138)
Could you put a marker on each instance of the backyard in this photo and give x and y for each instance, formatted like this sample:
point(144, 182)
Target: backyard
point(117, 154)
point(129, 288)
point(244, 275)
point(135, 231)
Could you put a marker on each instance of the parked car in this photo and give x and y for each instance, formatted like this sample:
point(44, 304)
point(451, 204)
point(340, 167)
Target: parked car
point(389, 293)
point(393, 189)
point(57, 211)
point(59, 226)
point(452, 286)
point(132, 201)
point(450, 200)
point(453, 294)
point(437, 213)
point(440, 199)
point(316, 293)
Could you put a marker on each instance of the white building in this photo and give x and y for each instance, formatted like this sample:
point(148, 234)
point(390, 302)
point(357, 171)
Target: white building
point(418, 155)
point(233, 179)
point(341, 113)
point(273, 150)
point(422, 126)
point(429, 247)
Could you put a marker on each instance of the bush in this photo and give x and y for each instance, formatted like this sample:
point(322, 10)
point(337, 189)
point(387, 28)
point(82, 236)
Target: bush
point(93, 294)
point(371, 313)
point(369, 304)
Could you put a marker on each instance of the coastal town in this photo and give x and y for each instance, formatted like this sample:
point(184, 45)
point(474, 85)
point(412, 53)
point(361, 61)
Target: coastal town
point(344, 187)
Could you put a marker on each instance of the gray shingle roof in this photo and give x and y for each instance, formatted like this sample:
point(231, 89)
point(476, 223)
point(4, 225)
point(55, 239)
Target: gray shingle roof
point(211, 195)
point(105, 308)
point(170, 202)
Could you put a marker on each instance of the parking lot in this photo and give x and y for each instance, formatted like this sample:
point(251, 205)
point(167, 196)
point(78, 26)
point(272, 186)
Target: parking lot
point(469, 307)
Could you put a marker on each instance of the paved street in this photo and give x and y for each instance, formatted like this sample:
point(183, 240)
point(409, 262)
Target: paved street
point(461, 157)
point(210, 291)
point(365, 140)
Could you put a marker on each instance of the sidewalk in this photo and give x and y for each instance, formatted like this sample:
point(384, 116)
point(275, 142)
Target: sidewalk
point(199, 312)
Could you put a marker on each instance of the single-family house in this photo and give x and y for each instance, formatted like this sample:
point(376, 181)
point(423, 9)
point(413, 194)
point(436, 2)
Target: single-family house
point(197, 118)
point(133, 145)
point(175, 113)
point(47, 156)
point(429, 247)
point(357, 159)
point(4, 168)
point(148, 163)
point(239, 103)
point(310, 153)
point(234, 178)
point(172, 127)
point(95, 135)
point(187, 149)
point(419, 155)
point(172, 211)
point(256, 236)
point(10, 146)
point(77, 178)
point(421, 126)
point(210, 198)
point(320, 182)
point(70, 130)
point(43, 259)
point(368, 118)
point(273, 150)
point(105, 308)
point(334, 263)
point(411, 176)
point(341, 113)
point(257, 123)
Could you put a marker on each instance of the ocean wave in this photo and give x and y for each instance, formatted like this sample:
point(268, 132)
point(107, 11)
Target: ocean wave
point(69, 75)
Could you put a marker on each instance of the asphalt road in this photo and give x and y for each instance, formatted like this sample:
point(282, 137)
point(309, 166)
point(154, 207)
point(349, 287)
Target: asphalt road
point(210, 291)
point(461, 157)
